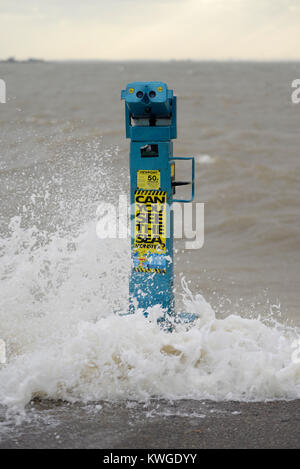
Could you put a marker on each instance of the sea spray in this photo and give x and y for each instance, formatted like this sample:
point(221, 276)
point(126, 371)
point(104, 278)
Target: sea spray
point(62, 291)
point(65, 339)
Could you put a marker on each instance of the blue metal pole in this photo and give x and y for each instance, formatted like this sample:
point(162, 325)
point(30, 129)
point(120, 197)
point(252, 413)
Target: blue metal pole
point(150, 115)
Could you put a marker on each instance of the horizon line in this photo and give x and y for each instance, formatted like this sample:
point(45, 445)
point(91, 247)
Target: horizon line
point(255, 60)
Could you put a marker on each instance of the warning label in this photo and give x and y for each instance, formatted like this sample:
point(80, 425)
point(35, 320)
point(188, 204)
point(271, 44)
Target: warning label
point(148, 179)
point(150, 219)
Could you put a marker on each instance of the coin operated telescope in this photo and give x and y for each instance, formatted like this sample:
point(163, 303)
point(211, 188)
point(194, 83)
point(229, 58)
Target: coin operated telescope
point(151, 124)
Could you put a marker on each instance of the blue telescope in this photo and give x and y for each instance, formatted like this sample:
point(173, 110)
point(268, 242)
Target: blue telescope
point(150, 117)
point(148, 100)
point(150, 111)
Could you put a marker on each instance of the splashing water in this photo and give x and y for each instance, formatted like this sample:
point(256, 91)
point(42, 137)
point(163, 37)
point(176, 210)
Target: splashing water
point(61, 291)
point(65, 342)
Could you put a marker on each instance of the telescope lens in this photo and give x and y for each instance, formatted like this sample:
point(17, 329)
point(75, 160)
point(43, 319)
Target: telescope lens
point(152, 94)
point(139, 94)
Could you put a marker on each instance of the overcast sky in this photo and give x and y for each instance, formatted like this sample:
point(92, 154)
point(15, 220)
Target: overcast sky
point(149, 29)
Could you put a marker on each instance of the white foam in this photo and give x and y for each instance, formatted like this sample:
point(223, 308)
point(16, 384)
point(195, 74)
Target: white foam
point(59, 295)
point(204, 159)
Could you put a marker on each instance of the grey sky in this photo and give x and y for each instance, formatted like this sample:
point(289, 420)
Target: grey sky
point(149, 29)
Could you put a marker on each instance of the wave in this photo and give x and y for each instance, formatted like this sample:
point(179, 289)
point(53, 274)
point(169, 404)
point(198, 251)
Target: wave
point(61, 295)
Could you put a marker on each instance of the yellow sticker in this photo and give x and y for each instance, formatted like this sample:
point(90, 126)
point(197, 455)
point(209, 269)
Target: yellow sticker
point(172, 170)
point(131, 90)
point(159, 89)
point(150, 232)
point(148, 179)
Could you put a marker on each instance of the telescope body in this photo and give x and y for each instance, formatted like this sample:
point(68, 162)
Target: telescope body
point(150, 117)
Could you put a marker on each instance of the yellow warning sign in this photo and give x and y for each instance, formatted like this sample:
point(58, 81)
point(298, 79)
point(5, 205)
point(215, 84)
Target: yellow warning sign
point(150, 233)
point(148, 179)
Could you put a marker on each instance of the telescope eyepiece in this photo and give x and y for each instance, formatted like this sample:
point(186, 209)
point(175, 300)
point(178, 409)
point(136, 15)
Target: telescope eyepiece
point(148, 99)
